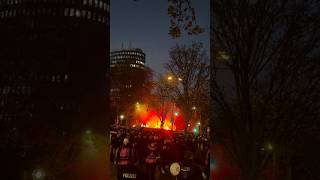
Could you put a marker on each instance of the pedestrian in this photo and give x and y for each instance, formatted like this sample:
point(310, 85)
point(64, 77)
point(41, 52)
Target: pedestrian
point(189, 169)
point(151, 160)
point(165, 156)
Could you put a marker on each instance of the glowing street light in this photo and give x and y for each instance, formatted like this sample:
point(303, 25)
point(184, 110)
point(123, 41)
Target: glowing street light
point(199, 123)
point(88, 132)
point(179, 79)
point(176, 113)
point(38, 174)
point(194, 108)
point(138, 106)
point(269, 147)
point(170, 78)
point(195, 130)
point(121, 116)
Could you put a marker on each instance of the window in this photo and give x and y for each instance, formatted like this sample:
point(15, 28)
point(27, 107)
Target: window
point(78, 13)
point(58, 78)
point(89, 15)
point(72, 12)
point(90, 2)
point(66, 77)
point(85, 2)
point(101, 4)
point(96, 3)
point(66, 11)
point(83, 13)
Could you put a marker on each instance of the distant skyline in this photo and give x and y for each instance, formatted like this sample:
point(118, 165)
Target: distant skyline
point(145, 24)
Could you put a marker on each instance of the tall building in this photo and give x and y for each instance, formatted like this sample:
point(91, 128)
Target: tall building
point(54, 79)
point(127, 77)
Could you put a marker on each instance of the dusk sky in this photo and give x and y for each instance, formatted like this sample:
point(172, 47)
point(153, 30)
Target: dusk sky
point(145, 24)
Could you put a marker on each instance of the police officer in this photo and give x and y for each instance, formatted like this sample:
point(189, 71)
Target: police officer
point(123, 158)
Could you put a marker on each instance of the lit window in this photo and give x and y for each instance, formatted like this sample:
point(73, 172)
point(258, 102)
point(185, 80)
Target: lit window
point(101, 5)
point(53, 78)
point(78, 13)
point(84, 2)
point(90, 2)
point(89, 15)
point(96, 3)
point(66, 77)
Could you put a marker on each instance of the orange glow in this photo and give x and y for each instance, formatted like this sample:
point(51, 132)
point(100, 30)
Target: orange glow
point(147, 117)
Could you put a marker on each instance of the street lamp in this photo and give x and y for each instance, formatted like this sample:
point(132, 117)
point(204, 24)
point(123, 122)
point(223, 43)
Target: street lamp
point(121, 118)
point(38, 174)
point(176, 113)
point(170, 78)
point(138, 106)
point(88, 131)
point(194, 108)
point(269, 147)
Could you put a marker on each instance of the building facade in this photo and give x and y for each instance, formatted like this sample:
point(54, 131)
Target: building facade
point(54, 81)
point(127, 77)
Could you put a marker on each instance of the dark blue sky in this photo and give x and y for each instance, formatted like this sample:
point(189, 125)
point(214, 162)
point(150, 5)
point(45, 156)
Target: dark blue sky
point(145, 24)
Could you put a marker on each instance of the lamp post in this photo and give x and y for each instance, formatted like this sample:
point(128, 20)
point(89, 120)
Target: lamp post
point(121, 118)
point(172, 78)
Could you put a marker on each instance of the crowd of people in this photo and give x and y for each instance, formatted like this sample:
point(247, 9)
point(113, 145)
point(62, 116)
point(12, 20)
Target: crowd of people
point(159, 154)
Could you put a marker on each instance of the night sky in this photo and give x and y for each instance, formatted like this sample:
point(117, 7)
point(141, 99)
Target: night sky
point(145, 24)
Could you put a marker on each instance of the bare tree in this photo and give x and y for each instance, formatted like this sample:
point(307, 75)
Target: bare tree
point(188, 66)
point(265, 82)
point(162, 99)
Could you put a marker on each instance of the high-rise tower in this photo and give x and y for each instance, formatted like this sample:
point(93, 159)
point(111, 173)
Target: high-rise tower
point(54, 78)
